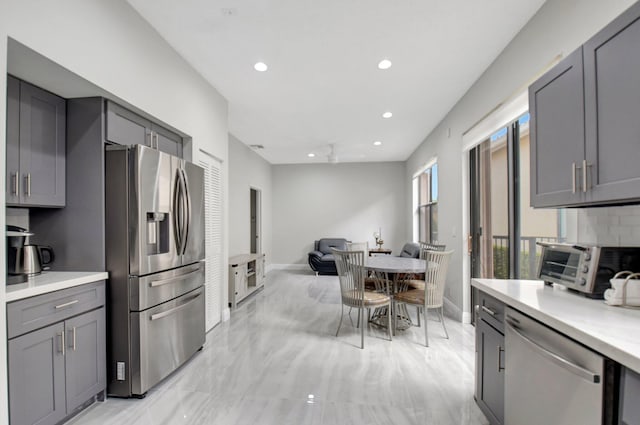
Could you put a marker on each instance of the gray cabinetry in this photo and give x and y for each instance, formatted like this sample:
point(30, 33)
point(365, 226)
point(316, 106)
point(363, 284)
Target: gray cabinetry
point(85, 357)
point(36, 137)
point(490, 358)
point(128, 128)
point(612, 109)
point(585, 125)
point(57, 353)
point(13, 141)
point(629, 394)
point(36, 377)
point(557, 133)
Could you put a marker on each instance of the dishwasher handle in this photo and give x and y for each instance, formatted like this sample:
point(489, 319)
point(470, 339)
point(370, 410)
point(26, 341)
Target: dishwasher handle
point(555, 358)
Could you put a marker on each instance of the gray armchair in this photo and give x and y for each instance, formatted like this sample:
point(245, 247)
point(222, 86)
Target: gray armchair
point(321, 259)
point(411, 250)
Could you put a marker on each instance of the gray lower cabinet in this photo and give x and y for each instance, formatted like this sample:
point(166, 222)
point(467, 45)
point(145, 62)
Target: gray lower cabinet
point(58, 368)
point(125, 127)
point(36, 146)
point(629, 409)
point(490, 358)
point(37, 378)
point(85, 357)
point(585, 126)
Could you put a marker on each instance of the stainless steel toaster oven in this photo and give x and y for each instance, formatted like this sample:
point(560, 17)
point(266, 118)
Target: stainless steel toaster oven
point(585, 268)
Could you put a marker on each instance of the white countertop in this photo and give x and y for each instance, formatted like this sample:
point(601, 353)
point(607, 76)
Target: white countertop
point(612, 331)
point(49, 282)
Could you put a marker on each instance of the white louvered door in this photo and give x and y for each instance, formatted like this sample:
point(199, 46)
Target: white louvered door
point(213, 239)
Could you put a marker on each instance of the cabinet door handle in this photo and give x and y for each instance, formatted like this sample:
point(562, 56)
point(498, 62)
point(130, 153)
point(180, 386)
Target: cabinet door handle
point(489, 311)
point(73, 338)
point(500, 351)
point(59, 306)
point(149, 137)
point(155, 138)
point(28, 184)
point(61, 335)
point(574, 170)
point(16, 183)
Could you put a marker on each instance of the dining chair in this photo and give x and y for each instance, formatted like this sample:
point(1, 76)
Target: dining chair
point(432, 246)
point(351, 273)
point(432, 294)
point(358, 246)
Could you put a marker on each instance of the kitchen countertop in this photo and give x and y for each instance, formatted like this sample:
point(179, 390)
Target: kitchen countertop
point(51, 281)
point(611, 331)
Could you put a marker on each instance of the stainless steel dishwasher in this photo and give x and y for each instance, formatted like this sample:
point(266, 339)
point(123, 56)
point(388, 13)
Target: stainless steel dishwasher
point(549, 378)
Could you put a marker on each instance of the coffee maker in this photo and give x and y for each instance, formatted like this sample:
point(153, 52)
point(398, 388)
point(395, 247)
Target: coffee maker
point(16, 238)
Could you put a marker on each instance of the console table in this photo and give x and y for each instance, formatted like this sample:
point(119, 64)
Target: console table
point(246, 275)
point(379, 251)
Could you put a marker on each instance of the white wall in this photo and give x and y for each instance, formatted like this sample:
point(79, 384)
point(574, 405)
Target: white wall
point(337, 200)
point(559, 27)
point(248, 170)
point(107, 43)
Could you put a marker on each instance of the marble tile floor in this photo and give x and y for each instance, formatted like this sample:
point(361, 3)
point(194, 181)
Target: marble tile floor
point(277, 361)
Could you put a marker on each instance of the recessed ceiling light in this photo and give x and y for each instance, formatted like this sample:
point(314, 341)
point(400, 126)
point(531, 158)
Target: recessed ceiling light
point(260, 66)
point(311, 155)
point(384, 64)
point(377, 143)
point(387, 115)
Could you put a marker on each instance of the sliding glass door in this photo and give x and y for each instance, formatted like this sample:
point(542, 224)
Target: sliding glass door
point(504, 229)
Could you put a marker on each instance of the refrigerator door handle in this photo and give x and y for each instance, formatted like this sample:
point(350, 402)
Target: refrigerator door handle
point(177, 213)
point(186, 194)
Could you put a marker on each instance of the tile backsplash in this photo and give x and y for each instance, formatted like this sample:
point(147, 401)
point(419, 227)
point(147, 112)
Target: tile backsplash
point(616, 226)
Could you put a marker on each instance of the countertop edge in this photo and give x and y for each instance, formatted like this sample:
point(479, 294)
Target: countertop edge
point(580, 335)
point(51, 284)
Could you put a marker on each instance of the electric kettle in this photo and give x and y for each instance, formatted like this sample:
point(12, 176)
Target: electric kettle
point(34, 260)
point(16, 237)
point(25, 259)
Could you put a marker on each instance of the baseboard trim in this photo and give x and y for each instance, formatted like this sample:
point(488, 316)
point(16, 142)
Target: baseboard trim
point(453, 310)
point(226, 314)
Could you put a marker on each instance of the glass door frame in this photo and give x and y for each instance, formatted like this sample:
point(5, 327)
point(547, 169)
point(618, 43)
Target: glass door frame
point(508, 111)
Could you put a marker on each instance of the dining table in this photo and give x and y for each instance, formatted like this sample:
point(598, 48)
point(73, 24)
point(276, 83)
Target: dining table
point(389, 273)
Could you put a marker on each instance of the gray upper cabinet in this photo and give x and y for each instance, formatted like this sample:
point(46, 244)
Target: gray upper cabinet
point(36, 139)
point(557, 134)
point(13, 141)
point(612, 108)
point(128, 128)
point(585, 122)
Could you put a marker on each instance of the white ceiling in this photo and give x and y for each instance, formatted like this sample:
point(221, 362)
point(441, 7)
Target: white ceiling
point(323, 85)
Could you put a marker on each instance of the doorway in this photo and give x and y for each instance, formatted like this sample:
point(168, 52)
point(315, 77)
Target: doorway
point(255, 201)
point(504, 230)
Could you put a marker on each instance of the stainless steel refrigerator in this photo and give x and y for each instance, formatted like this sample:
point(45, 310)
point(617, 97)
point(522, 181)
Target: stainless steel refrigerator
point(155, 252)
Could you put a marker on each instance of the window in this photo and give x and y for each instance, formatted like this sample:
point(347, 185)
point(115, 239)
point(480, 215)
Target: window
point(425, 188)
